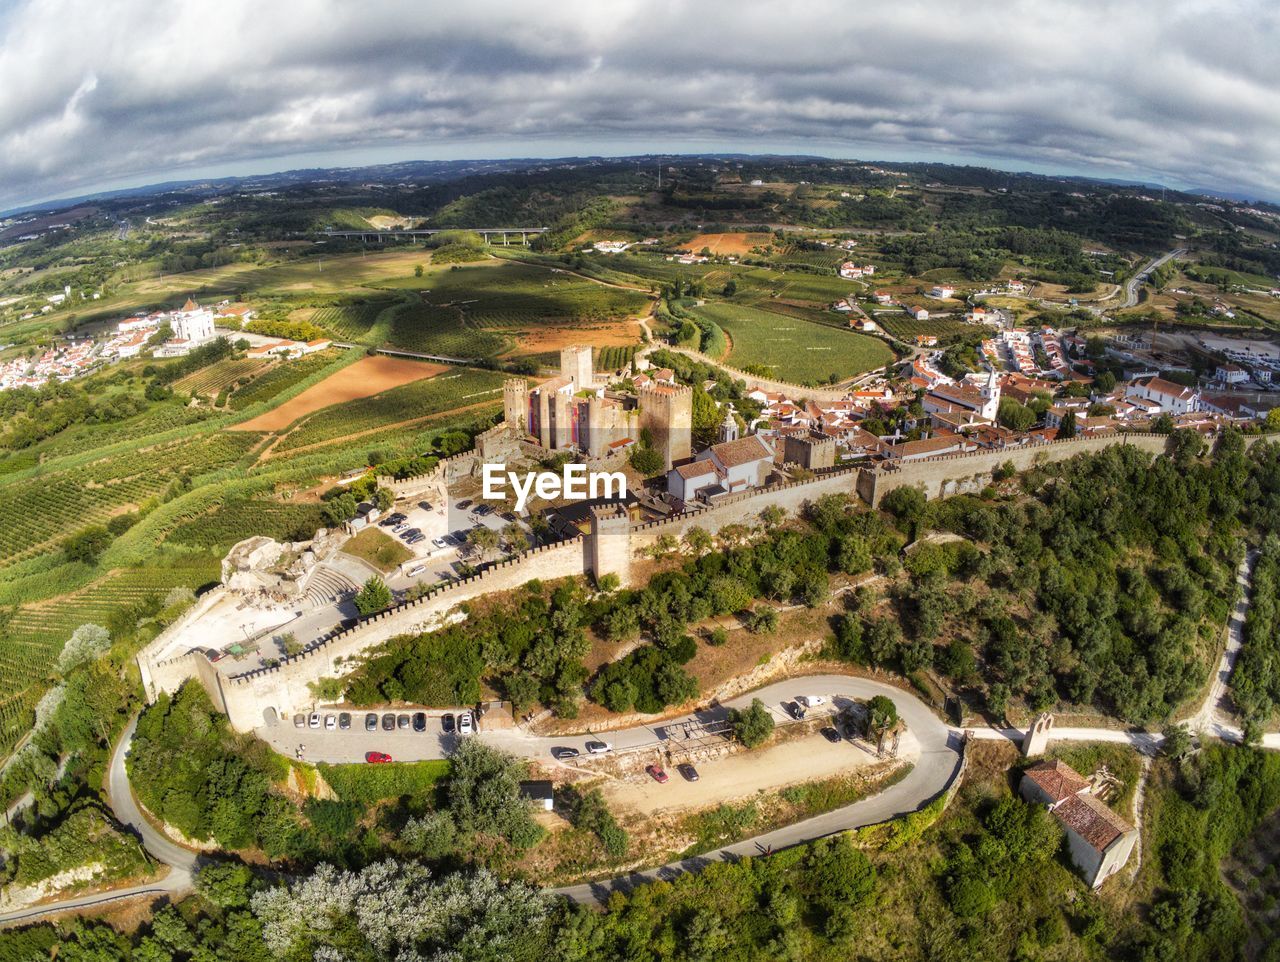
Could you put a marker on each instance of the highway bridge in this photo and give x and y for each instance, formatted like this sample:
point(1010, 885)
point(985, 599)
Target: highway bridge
point(382, 236)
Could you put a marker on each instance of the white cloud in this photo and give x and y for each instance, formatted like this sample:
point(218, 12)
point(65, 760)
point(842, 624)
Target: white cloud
point(94, 93)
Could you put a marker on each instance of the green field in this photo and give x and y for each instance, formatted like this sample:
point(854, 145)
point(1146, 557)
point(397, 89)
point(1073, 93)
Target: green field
point(280, 378)
point(795, 350)
point(906, 328)
point(443, 331)
point(455, 389)
point(233, 522)
point(222, 374)
point(348, 322)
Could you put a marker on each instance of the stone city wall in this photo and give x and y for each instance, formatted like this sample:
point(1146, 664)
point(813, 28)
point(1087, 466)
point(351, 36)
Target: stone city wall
point(284, 688)
point(963, 473)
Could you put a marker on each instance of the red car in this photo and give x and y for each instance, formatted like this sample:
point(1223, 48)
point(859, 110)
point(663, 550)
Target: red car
point(657, 773)
point(376, 758)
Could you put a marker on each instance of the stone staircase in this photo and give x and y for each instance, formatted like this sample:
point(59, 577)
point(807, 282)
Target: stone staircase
point(328, 586)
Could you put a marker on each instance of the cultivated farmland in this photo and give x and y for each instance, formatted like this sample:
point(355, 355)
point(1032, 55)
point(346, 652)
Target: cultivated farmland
point(793, 349)
point(457, 389)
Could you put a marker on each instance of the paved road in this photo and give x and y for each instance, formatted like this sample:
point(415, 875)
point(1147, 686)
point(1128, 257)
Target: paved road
point(180, 861)
point(1133, 283)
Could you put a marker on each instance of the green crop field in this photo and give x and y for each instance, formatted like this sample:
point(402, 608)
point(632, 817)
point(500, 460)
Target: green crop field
point(280, 378)
point(614, 358)
point(443, 331)
point(795, 350)
point(455, 389)
point(817, 288)
point(236, 520)
point(906, 328)
point(34, 635)
point(348, 322)
point(222, 374)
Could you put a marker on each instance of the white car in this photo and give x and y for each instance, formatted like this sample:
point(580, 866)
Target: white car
point(314, 720)
point(811, 701)
point(598, 748)
point(465, 726)
point(416, 570)
point(439, 543)
point(330, 723)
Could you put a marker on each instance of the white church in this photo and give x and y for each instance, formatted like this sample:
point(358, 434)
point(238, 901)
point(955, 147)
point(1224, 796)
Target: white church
point(192, 326)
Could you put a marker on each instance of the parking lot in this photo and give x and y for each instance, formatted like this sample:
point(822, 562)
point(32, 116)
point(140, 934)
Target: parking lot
point(442, 549)
point(402, 740)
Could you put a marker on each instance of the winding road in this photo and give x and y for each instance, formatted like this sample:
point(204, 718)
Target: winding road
point(937, 764)
point(1133, 283)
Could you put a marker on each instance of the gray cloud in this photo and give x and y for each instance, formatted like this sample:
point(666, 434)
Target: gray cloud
point(95, 94)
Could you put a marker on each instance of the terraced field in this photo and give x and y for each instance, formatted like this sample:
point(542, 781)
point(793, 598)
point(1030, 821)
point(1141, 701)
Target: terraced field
point(347, 322)
point(230, 523)
point(35, 515)
point(443, 331)
point(457, 389)
point(282, 377)
point(214, 378)
point(793, 349)
point(33, 637)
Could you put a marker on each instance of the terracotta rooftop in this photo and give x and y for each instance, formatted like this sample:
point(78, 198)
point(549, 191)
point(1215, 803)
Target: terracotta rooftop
point(742, 451)
point(695, 469)
point(1056, 779)
point(1091, 820)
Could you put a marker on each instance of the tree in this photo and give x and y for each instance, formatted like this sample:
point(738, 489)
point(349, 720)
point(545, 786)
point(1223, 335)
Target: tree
point(483, 541)
point(1067, 426)
point(752, 726)
point(417, 270)
point(87, 544)
point(1014, 415)
point(907, 504)
point(484, 791)
point(384, 499)
point(1177, 741)
point(699, 540)
point(1273, 419)
point(646, 461)
point(373, 597)
point(762, 620)
point(515, 538)
point(85, 644)
point(1163, 425)
point(882, 715)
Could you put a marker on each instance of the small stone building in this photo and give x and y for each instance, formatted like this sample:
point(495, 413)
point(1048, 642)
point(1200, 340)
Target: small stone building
point(1099, 839)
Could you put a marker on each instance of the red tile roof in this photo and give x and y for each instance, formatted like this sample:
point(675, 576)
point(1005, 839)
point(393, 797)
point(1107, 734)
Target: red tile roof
point(1056, 779)
point(1093, 821)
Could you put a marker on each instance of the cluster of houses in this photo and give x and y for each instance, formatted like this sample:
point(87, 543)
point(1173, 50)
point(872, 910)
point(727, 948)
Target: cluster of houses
point(1022, 350)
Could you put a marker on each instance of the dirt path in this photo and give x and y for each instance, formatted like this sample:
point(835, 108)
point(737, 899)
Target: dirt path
point(365, 378)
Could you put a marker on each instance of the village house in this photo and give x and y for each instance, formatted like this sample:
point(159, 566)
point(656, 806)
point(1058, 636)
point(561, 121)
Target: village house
point(723, 469)
point(1172, 398)
point(1100, 841)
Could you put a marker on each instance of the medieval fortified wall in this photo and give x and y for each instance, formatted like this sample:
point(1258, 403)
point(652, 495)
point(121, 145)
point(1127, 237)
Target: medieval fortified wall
point(613, 542)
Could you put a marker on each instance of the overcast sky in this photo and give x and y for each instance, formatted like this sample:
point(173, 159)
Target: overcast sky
point(98, 94)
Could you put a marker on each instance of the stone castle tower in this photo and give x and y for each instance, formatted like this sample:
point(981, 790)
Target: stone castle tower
point(575, 362)
point(515, 405)
point(666, 413)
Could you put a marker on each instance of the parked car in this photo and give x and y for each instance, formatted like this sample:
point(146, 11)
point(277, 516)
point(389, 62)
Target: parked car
point(830, 734)
point(598, 748)
point(389, 722)
point(416, 538)
point(563, 752)
point(299, 720)
point(464, 504)
point(811, 701)
point(464, 723)
point(214, 655)
point(377, 758)
point(416, 570)
point(403, 723)
point(447, 724)
point(688, 771)
point(344, 720)
point(794, 709)
point(439, 543)
point(401, 527)
point(330, 722)
point(371, 722)
point(509, 516)
point(424, 505)
point(314, 720)
point(657, 774)
point(419, 721)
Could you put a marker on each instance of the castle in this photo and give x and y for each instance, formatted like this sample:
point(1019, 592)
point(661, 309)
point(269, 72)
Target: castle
point(572, 412)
